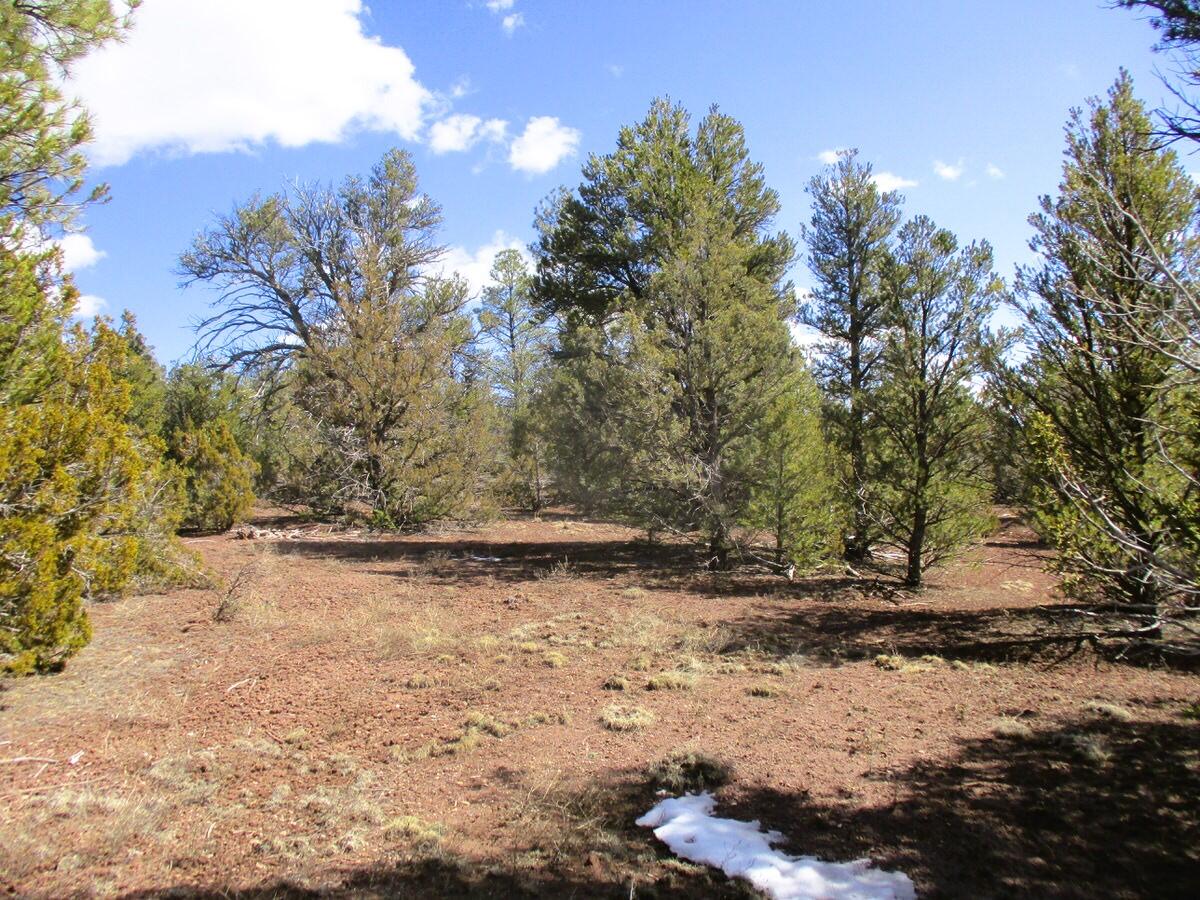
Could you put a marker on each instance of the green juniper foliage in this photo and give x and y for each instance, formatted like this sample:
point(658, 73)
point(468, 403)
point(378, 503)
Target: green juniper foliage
point(201, 423)
point(1107, 394)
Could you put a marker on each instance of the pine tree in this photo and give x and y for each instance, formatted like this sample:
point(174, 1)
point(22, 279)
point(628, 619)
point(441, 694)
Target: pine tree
point(517, 350)
point(848, 238)
point(932, 495)
point(669, 286)
point(1108, 394)
point(795, 495)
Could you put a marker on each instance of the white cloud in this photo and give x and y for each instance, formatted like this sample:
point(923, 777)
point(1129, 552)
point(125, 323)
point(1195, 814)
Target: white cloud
point(78, 252)
point(89, 305)
point(500, 5)
point(887, 181)
point(460, 88)
point(476, 266)
point(543, 144)
point(512, 22)
point(994, 171)
point(829, 157)
point(616, 71)
point(947, 171)
point(202, 76)
point(805, 337)
point(461, 132)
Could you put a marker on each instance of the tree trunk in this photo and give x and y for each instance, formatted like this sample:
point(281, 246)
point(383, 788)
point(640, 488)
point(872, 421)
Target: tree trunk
point(916, 542)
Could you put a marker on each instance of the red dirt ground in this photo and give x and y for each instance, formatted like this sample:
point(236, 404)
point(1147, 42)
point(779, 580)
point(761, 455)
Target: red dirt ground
point(373, 715)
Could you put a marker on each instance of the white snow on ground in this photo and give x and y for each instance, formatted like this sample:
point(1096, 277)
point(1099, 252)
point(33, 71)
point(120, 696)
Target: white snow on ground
point(742, 850)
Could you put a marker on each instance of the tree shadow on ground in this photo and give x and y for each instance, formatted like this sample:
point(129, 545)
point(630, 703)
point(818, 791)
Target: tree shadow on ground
point(833, 633)
point(508, 561)
point(576, 842)
point(1095, 807)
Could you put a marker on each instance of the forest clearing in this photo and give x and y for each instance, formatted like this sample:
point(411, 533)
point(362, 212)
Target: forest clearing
point(741, 522)
point(433, 716)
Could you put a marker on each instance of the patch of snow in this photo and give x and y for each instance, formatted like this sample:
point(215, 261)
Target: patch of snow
point(742, 850)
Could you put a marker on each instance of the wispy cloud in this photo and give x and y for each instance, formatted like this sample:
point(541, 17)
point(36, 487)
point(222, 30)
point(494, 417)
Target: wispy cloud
point(460, 132)
point(78, 252)
point(543, 144)
point(994, 171)
point(510, 20)
point(948, 171)
point(888, 181)
point(829, 157)
point(475, 265)
point(89, 305)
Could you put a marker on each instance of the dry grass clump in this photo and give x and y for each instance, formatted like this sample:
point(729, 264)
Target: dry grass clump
point(73, 827)
point(671, 681)
point(548, 718)
point(715, 639)
point(641, 663)
point(414, 831)
point(336, 807)
point(436, 563)
point(190, 777)
point(1008, 727)
point(625, 718)
point(639, 631)
point(298, 738)
point(615, 683)
point(633, 593)
point(563, 570)
point(256, 746)
point(553, 659)
point(238, 599)
point(762, 689)
point(420, 681)
point(476, 727)
point(689, 771)
point(487, 724)
point(1109, 710)
point(1091, 748)
point(897, 663)
point(529, 647)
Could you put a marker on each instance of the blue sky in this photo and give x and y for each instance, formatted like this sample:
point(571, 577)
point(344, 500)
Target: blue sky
point(499, 102)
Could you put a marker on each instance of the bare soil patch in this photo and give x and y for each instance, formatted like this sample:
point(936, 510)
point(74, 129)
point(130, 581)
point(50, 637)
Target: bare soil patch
point(481, 713)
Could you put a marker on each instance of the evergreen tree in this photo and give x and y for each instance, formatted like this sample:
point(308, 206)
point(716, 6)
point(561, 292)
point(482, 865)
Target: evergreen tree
point(41, 133)
point(1108, 394)
point(201, 421)
point(327, 294)
point(87, 507)
point(932, 494)
point(518, 346)
point(86, 504)
point(795, 494)
point(848, 238)
point(670, 289)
